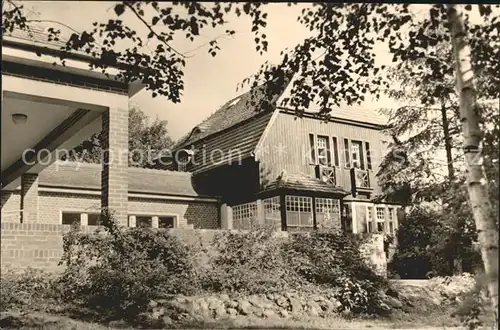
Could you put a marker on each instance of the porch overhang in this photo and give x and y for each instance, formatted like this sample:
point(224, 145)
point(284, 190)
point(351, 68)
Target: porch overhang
point(299, 184)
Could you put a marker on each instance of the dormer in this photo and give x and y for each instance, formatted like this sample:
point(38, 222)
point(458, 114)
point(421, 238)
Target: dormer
point(182, 159)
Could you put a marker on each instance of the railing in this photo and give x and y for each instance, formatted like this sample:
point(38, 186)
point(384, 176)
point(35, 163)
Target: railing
point(361, 178)
point(326, 174)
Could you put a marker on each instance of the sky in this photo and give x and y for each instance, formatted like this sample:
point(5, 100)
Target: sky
point(209, 81)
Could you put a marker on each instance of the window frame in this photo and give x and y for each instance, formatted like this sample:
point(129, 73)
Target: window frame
point(332, 150)
point(360, 154)
point(154, 215)
point(299, 200)
point(77, 210)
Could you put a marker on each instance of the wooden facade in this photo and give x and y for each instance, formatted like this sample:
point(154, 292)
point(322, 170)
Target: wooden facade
point(287, 146)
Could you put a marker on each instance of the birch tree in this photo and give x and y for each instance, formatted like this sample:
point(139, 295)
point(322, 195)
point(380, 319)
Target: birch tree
point(476, 179)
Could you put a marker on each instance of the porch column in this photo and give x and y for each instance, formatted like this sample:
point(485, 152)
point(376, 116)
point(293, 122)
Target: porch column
point(386, 219)
point(226, 214)
point(114, 185)
point(29, 198)
point(374, 219)
point(260, 213)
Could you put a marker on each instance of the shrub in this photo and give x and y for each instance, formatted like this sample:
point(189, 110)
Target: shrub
point(333, 259)
point(119, 271)
point(413, 259)
point(247, 262)
point(31, 289)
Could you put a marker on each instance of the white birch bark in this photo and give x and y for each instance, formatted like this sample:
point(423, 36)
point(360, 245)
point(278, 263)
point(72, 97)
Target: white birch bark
point(477, 184)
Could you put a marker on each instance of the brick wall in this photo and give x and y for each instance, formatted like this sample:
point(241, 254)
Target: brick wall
point(11, 204)
point(198, 214)
point(33, 245)
point(39, 245)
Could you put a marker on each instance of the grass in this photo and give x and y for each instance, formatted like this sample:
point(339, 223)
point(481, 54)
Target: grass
point(437, 319)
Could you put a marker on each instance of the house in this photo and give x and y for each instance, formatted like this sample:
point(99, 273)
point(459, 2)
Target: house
point(251, 163)
point(48, 107)
point(270, 167)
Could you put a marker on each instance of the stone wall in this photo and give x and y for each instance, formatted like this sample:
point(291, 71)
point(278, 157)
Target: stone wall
point(290, 304)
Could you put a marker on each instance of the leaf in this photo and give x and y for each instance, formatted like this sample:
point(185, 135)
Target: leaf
point(119, 9)
point(155, 20)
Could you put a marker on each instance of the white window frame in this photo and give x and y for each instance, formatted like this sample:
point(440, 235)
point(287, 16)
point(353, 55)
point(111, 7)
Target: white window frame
point(390, 209)
point(245, 211)
point(299, 202)
point(323, 145)
point(83, 214)
point(330, 204)
point(154, 218)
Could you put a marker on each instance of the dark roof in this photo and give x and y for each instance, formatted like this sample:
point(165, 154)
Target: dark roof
point(233, 112)
point(303, 182)
point(88, 176)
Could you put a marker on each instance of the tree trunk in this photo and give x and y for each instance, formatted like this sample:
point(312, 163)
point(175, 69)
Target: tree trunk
point(447, 141)
point(477, 185)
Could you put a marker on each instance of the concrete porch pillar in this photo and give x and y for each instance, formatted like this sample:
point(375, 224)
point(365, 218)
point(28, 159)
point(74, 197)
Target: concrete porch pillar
point(29, 198)
point(114, 175)
point(226, 213)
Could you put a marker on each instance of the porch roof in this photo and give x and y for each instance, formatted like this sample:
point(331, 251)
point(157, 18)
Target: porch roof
point(303, 182)
point(74, 175)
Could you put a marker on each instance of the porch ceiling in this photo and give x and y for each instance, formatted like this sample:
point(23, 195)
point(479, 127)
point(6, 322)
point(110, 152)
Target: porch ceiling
point(42, 119)
point(50, 124)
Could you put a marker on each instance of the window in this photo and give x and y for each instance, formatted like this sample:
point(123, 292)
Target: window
point(69, 218)
point(380, 219)
point(272, 212)
point(368, 156)
point(299, 211)
point(369, 219)
point(182, 164)
point(94, 219)
point(357, 154)
point(166, 222)
point(335, 151)
point(327, 212)
point(346, 154)
point(323, 147)
point(391, 220)
point(312, 146)
point(244, 216)
point(143, 221)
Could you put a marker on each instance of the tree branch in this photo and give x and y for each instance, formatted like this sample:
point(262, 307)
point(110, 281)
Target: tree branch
point(160, 37)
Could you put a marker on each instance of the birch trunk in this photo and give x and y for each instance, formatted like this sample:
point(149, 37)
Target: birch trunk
point(477, 184)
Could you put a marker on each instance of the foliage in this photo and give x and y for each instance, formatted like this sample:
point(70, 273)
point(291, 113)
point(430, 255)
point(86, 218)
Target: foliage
point(148, 57)
point(415, 234)
point(119, 271)
point(333, 259)
point(248, 262)
point(146, 140)
point(474, 303)
point(30, 289)
point(260, 262)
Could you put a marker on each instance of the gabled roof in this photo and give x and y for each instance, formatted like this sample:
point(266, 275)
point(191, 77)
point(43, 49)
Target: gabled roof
point(345, 112)
point(303, 182)
point(74, 175)
point(233, 112)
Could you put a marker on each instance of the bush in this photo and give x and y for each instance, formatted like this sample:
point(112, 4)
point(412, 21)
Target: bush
point(258, 262)
point(413, 259)
point(247, 262)
point(119, 271)
point(31, 289)
point(334, 260)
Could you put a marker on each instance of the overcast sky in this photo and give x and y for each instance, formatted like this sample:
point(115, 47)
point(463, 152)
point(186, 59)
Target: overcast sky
point(209, 81)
